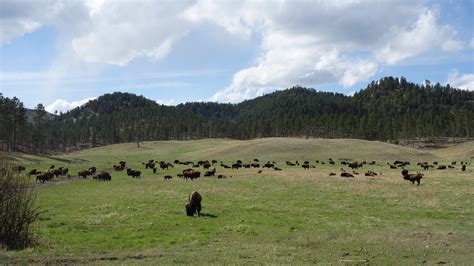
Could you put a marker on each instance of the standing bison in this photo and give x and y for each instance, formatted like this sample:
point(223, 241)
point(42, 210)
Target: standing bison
point(412, 177)
point(194, 204)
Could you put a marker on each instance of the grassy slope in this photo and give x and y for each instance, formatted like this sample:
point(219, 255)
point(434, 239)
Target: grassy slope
point(293, 216)
point(457, 152)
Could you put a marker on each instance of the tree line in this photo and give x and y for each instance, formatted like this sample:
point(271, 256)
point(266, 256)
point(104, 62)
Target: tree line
point(389, 109)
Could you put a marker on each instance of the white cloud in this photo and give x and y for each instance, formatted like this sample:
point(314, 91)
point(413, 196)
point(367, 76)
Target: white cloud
point(20, 17)
point(452, 45)
point(61, 105)
point(169, 102)
point(304, 42)
point(422, 36)
point(463, 82)
point(316, 42)
point(123, 31)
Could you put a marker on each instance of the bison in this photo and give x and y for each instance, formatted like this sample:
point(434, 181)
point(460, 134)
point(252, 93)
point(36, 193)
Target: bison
point(44, 177)
point(191, 174)
point(133, 173)
point(412, 177)
point(463, 168)
point(210, 173)
point(236, 165)
point(83, 173)
point(103, 176)
point(167, 177)
point(193, 205)
point(344, 174)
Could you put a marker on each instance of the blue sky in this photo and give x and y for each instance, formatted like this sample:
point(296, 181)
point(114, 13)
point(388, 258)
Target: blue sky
point(62, 53)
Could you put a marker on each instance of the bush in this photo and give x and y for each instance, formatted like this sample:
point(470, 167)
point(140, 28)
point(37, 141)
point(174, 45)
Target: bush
point(17, 208)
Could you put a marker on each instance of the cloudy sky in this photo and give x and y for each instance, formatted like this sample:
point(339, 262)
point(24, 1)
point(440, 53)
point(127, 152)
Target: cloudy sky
point(62, 53)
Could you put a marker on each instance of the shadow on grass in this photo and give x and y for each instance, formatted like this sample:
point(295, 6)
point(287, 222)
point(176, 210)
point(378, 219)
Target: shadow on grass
point(208, 215)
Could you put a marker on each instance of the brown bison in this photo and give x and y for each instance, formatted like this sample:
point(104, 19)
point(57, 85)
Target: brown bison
point(463, 168)
point(210, 173)
point(344, 174)
point(412, 177)
point(194, 204)
point(44, 177)
point(167, 177)
point(191, 174)
point(84, 173)
point(103, 176)
point(133, 173)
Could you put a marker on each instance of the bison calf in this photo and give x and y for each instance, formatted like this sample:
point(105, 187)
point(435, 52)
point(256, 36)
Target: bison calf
point(194, 204)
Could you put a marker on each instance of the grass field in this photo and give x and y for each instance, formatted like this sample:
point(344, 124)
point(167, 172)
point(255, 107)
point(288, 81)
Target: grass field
point(293, 216)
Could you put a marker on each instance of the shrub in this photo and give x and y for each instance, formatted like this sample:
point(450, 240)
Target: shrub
point(17, 208)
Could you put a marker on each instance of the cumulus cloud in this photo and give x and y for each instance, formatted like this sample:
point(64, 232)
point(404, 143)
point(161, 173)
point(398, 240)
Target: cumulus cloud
point(315, 42)
point(463, 82)
point(305, 42)
point(61, 105)
point(20, 17)
point(123, 31)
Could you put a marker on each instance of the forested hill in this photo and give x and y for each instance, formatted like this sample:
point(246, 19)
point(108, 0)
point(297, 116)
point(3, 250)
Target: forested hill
point(389, 109)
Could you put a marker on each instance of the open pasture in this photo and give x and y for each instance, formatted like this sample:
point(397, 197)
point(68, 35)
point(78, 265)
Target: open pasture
point(292, 216)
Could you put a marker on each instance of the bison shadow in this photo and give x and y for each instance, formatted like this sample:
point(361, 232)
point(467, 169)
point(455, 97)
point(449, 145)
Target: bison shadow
point(208, 215)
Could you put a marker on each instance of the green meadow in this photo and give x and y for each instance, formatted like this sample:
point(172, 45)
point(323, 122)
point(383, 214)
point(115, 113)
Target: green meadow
point(293, 216)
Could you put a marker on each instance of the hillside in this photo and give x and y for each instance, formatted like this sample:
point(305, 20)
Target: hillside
point(278, 149)
point(457, 152)
point(389, 109)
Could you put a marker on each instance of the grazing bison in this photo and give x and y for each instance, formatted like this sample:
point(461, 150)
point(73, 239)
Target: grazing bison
point(150, 164)
point(412, 177)
point(332, 174)
point(463, 168)
point(191, 174)
point(305, 166)
point(277, 169)
point(442, 167)
point(133, 173)
point(221, 177)
point(269, 165)
point(255, 165)
point(84, 173)
point(103, 176)
point(236, 166)
point(167, 177)
point(210, 173)
point(259, 172)
point(163, 165)
point(354, 165)
point(193, 204)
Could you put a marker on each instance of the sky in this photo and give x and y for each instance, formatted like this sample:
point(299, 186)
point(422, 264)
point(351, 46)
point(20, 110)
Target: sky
point(62, 53)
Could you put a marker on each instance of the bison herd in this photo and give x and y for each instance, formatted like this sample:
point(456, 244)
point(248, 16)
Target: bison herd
point(192, 171)
point(209, 169)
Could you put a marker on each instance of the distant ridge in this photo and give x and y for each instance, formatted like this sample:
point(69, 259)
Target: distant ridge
point(389, 109)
